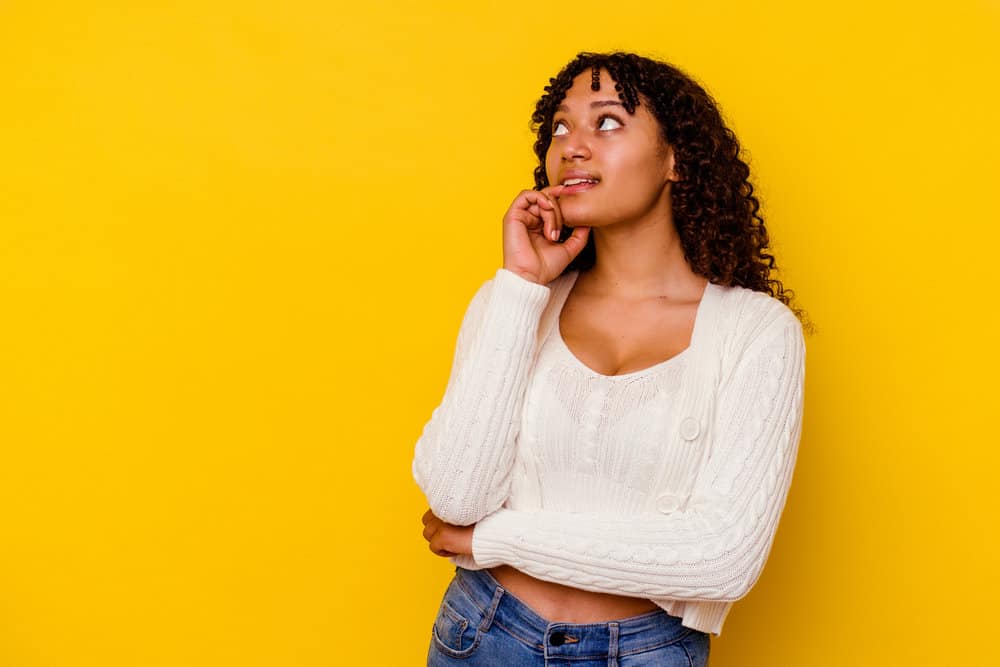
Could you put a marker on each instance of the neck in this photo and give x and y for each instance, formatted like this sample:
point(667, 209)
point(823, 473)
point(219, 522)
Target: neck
point(642, 259)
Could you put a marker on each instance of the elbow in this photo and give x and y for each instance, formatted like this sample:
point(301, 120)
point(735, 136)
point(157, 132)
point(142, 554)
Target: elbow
point(458, 498)
point(732, 562)
point(451, 505)
point(718, 584)
point(739, 575)
point(454, 515)
point(458, 511)
point(739, 588)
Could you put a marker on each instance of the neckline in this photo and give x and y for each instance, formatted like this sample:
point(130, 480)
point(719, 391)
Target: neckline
point(699, 318)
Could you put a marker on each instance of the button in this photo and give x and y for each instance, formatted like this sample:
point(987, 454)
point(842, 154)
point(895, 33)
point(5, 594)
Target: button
point(690, 428)
point(667, 503)
point(557, 638)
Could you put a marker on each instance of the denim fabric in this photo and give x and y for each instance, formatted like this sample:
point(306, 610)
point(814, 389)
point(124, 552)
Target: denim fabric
point(480, 623)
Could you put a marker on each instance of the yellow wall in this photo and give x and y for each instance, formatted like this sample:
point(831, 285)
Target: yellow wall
point(236, 242)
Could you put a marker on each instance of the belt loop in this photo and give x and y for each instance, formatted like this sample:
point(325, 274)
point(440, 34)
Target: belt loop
point(612, 645)
point(488, 619)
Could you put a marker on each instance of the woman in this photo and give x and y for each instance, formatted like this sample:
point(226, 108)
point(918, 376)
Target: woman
point(613, 451)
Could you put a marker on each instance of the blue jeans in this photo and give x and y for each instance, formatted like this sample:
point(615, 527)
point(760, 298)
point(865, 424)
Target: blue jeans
point(480, 623)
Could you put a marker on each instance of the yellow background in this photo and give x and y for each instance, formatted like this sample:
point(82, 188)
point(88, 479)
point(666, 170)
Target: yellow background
point(237, 239)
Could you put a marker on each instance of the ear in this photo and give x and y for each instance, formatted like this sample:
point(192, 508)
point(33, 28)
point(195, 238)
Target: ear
point(670, 167)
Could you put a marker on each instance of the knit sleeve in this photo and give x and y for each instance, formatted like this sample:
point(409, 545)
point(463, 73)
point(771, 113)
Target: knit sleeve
point(463, 458)
point(715, 547)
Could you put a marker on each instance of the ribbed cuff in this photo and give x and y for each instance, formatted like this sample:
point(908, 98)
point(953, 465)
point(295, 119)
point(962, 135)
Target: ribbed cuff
point(494, 537)
point(516, 305)
point(464, 561)
point(516, 288)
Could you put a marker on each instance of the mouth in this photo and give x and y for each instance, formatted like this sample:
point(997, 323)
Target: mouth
point(574, 185)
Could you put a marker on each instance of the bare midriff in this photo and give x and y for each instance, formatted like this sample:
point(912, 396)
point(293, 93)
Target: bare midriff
point(563, 604)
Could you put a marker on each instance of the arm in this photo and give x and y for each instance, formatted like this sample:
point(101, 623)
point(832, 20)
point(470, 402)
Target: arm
point(714, 549)
point(463, 458)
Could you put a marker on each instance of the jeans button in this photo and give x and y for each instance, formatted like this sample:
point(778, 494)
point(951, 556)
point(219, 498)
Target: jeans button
point(557, 638)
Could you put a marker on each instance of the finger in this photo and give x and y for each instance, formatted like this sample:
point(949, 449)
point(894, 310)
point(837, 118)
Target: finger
point(557, 211)
point(430, 530)
point(442, 552)
point(542, 203)
point(545, 220)
point(428, 515)
point(551, 193)
point(576, 242)
point(531, 222)
point(443, 542)
point(437, 545)
point(548, 220)
point(528, 197)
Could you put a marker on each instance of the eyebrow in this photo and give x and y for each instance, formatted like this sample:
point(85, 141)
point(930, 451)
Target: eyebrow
point(594, 105)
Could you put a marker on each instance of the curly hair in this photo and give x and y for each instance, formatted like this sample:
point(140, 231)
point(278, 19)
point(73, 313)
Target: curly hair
point(715, 211)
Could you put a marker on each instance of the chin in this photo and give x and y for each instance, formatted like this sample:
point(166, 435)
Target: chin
point(586, 221)
point(578, 215)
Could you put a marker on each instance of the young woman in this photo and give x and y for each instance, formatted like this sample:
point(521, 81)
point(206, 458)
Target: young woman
point(613, 451)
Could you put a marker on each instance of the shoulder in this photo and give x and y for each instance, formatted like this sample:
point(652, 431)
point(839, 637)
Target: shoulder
point(744, 305)
point(749, 319)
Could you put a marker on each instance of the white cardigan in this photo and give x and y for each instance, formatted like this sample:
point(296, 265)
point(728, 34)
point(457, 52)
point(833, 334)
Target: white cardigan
point(666, 483)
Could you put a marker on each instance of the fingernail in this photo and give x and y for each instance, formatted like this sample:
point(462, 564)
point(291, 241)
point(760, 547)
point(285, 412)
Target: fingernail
point(554, 235)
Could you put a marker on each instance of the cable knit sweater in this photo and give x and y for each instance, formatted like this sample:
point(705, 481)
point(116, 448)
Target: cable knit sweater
point(666, 483)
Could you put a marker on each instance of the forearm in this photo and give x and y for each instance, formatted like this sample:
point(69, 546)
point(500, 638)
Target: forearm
point(463, 458)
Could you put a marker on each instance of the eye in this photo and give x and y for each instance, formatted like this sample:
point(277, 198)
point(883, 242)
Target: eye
point(603, 123)
point(559, 129)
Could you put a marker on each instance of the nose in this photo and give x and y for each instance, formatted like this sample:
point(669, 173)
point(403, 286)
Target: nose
point(575, 147)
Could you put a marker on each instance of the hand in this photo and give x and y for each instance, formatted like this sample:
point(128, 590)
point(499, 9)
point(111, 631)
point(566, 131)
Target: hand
point(446, 539)
point(530, 229)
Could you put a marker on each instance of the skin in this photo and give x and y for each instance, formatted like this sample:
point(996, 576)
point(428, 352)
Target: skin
point(635, 308)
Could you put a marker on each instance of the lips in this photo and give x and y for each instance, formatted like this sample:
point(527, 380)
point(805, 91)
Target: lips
point(577, 181)
point(574, 186)
point(572, 176)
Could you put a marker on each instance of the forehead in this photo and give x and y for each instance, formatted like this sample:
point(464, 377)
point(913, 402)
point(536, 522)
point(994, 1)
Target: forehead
point(581, 94)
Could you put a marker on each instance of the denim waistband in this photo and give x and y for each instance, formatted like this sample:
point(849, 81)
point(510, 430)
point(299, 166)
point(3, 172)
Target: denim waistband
point(619, 637)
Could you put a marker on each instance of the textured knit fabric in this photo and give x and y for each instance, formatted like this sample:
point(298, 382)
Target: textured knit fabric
point(666, 483)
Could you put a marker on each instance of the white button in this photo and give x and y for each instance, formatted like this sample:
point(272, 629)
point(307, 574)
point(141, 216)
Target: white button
point(667, 503)
point(690, 428)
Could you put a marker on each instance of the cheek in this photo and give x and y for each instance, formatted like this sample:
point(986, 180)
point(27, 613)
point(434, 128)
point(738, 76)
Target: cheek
point(551, 165)
point(643, 168)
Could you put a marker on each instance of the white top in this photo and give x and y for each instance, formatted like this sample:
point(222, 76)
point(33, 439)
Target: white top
point(666, 483)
